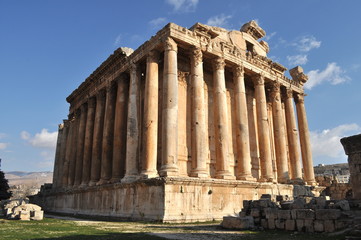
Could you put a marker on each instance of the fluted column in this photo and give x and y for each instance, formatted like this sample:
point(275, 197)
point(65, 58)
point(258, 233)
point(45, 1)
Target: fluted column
point(62, 156)
point(107, 143)
point(150, 121)
point(263, 130)
point(74, 140)
point(80, 145)
point(292, 134)
point(88, 142)
point(242, 132)
point(68, 151)
point(97, 138)
point(57, 160)
point(120, 133)
point(306, 150)
point(279, 135)
point(221, 120)
point(170, 110)
point(132, 148)
point(199, 136)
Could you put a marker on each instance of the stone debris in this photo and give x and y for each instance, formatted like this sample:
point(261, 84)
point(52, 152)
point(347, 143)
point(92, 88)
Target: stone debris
point(303, 214)
point(20, 209)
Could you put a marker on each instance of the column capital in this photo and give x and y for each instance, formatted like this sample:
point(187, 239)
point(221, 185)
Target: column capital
point(196, 56)
point(275, 91)
point(170, 45)
point(238, 70)
point(153, 56)
point(289, 93)
point(133, 68)
point(218, 63)
point(300, 97)
point(61, 127)
point(91, 102)
point(258, 79)
point(101, 95)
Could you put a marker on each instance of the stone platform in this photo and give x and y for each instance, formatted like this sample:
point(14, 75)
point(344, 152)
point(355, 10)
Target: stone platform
point(164, 199)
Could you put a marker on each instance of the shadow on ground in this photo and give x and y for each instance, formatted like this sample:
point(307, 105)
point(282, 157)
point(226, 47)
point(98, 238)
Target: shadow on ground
point(107, 236)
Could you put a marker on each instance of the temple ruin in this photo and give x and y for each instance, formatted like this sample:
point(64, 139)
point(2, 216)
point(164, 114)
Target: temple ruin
point(184, 128)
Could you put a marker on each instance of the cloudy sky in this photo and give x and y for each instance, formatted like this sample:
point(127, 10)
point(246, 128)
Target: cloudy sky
point(47, 48)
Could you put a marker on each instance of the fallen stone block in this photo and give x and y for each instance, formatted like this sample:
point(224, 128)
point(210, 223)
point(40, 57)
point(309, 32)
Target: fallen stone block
point(329, 226)
point(319, 225)
point(25, 215)
point(284, 214)
point(271, 223)
point(280, 224)
point(305, 214)
point(286, 205)
point(271, 213)
point(328, 214)
point(343, 205)
point(300, 225)
point(230, 222)
point(37, 215)
point(264, 223)
point(290, 225)
point(255, 212)
point(309, 226)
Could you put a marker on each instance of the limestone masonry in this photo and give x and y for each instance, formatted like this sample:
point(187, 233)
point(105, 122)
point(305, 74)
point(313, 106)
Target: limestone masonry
point(184, 128)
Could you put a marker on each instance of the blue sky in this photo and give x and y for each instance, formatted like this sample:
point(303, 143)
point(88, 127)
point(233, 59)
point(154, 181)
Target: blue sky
point(47, 48)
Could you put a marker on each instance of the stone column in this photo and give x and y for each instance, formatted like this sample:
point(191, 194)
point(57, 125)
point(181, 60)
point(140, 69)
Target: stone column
point(279, 135)
point(80, 145)
point(120, 133)
point(307, 162)
point(88, 142)
point(63, 152)
point(74, 140)
point(67, 152)
point(263, 130)
point(150, 121)
point(292, 134)
point(107, 143)
point(97, 138)
point(242, 132)
point(199, 136)
point(57, 160)
point(221, 120)
point(132, 146)
point(170, 111)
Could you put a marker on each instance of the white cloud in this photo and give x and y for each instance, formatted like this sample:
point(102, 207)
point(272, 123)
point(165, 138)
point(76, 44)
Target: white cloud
point(219, 20)
point(306, 43)
point(183, 5)
point(3, 146)
point(44, 139)
point(299, 59)
point(332, 74)
point(118, 40)
point(326, 143)
point(3, 135)
point(269, 36)
point(47, 155)
point(158, 22)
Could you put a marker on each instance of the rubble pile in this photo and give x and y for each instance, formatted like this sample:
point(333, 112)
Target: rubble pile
point(303, 214)
point(21, 209)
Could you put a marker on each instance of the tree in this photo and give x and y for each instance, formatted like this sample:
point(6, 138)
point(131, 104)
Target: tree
point(4, 186)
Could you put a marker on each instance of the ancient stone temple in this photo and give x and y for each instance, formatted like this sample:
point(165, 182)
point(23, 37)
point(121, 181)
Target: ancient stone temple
point(183, 129)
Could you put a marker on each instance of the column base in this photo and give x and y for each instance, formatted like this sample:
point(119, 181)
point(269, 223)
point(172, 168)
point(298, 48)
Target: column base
point(267, 179)
point(83, 185)
point(199, 174)
point(297, 181)
point(115, 180)
point(149, 174)
point(92, 183)
point(129, 178)
point(311, 183)
point(102, 182)
point(283, 180)
point(225, 175)
point(169, 170)
point(246, 178)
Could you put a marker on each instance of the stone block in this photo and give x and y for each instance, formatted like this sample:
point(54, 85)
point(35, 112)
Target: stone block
point(284, 214)
point(286, 205)
point(280, 224)
point(246, 204)
point(242, 213)
point(254, 204)
point(300, 225)
point(271, 213)
point(328, 214)
point(257, 220)
point(309, 225)
point(319, 225)
point(8, 211)
point(25, 215)
point(255, 212)
point(290, 225)
point(298, 203)
point(343, 205)
point(37, 215)
point(305, 214)
point(271, 223)
point(329, 226)
point(230, 222)
point(342, 223)
point(264, 223)
point(264, 203)
point(266, 196)
point(293, 214)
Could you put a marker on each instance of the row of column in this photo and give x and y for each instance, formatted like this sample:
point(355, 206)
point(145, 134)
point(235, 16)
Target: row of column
point(93, 143)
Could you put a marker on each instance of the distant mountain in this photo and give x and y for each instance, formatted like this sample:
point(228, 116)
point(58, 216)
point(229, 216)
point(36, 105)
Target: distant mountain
point(28, 178)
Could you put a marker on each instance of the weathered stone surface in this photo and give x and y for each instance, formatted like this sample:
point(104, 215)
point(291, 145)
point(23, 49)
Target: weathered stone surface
point(290, 225)
point(343, 205)
point(309, 225)
point(255, 212)
point(300, 225)
point(329, 226)
point(328, 214)
point(319, 225)
point(271, 223)
point(24, 215)
point(238, 223)
point(37, 215)
point(280, 224)
point(284, 214)
point(305, 214)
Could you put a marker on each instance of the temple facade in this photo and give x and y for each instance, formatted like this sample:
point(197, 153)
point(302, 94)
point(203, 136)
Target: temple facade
point(183, 129)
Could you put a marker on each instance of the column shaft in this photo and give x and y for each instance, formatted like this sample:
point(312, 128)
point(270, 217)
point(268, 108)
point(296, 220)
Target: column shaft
point(279, 135)
point(199, 136)
point(132, 148)
point(263, 130)
point(170, 111)
point(62, 157)
point(306, 150)
point(107, 143)
point(221, 120)
point(242, 132)
point(150, 121)
point(88, 142)
point(120, 133)
point(292, 134)
point(80, 146)
point(97, 138)
point(57, 160)
point(74, 140)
